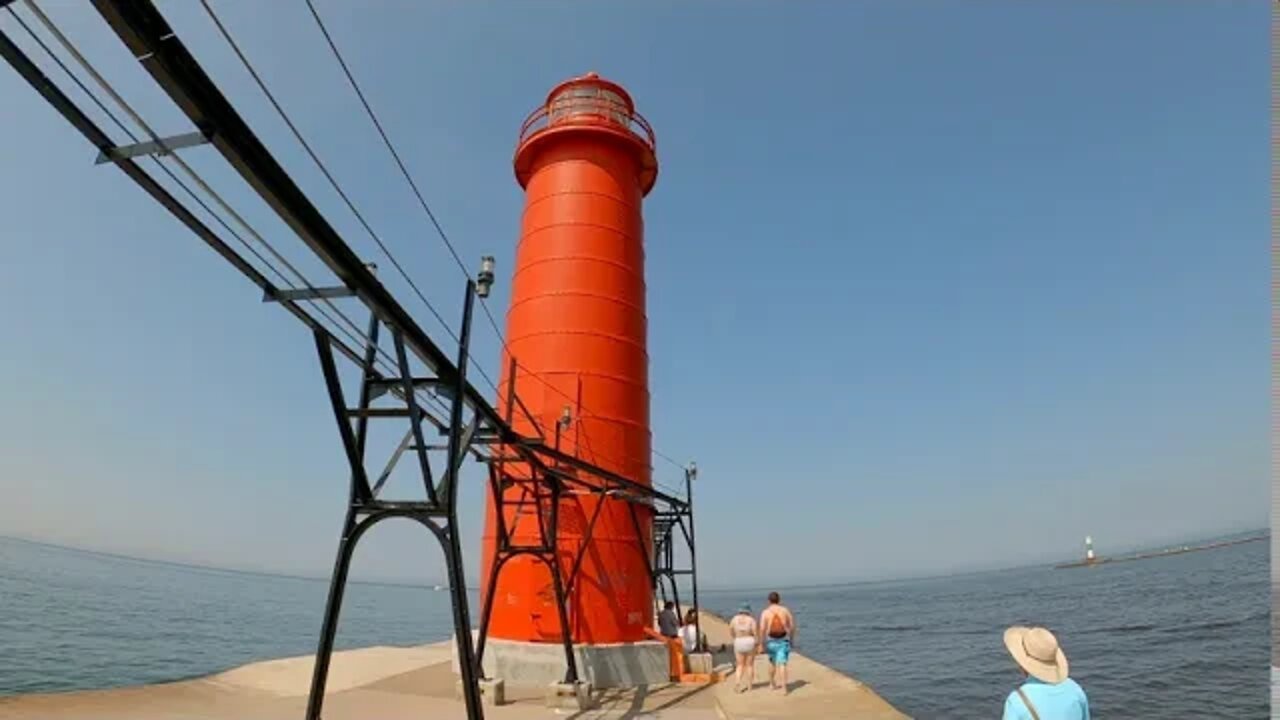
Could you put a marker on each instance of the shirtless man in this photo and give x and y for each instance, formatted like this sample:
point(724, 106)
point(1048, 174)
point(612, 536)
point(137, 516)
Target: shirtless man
point(777, 633)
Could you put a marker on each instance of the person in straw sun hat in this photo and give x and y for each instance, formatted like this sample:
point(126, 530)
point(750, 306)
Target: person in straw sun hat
point(1048, 692)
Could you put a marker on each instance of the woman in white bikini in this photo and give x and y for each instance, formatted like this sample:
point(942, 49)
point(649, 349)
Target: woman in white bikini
point(743, 630)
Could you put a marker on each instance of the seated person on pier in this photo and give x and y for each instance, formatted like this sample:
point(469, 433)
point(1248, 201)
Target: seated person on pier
point(689, 633)
point(668, 622)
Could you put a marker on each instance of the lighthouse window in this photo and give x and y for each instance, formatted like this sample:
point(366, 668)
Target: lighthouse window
point(589, 100)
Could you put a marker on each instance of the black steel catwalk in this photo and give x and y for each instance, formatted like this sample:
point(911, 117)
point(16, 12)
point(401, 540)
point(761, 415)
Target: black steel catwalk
point(472, 427)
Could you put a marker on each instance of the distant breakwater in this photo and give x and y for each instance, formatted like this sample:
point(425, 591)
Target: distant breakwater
point(1161, 553)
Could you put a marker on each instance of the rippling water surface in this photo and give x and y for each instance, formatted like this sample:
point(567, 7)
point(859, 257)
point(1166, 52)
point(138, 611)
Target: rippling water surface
point(73, 620)
point(1179, 637)
point(1186, 636)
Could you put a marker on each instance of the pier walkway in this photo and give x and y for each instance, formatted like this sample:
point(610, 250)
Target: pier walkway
point(392, 683)
point(816, 691)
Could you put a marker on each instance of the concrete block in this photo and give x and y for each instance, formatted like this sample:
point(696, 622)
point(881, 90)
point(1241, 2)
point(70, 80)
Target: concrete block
point(535, 665)
point(569, 696)
point(624, 664)
point(700, 663)
point(492, 692)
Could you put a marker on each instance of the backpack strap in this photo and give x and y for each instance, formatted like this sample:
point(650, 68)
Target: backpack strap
point(1026, 701)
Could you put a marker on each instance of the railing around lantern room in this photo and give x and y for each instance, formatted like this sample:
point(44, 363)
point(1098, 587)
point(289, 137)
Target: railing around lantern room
point(589, 105)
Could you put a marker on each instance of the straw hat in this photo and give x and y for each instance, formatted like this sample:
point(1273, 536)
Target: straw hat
point(1036, 651)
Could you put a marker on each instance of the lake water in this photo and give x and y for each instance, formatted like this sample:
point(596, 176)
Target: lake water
point(1186, 636)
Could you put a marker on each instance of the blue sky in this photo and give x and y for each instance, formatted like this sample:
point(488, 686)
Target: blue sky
point(932, 286)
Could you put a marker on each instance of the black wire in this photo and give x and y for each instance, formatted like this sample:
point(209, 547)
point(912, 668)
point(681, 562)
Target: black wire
point(372, 116)
point(134, 138)
point(674, 463)
point(164, 168)
point(186, 188)
point(325, 170)
point(404, 171)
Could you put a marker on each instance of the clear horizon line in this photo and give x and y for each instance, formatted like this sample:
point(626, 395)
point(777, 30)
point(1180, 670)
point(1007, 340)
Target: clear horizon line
point(806, 585)
point(217, 568)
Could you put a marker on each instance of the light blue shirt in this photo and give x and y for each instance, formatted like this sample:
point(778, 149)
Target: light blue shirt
point(1063, 701)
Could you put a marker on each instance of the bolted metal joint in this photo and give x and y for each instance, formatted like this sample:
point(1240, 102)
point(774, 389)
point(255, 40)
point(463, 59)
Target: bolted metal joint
point(484, 279)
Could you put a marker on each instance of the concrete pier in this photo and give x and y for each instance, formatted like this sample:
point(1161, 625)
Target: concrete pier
point(604, 666)
point(814, 690)
point(391, 683)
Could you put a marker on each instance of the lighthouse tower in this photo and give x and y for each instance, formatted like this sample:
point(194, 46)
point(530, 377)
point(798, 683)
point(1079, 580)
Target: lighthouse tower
point(1088, 548)
point(577, 356)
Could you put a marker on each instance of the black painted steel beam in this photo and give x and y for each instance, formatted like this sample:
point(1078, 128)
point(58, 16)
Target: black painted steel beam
point(141, 27)
point(48, 90)
point(99, 139)
point(162, 54)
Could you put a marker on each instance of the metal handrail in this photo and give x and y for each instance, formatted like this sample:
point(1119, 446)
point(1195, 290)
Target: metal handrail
point(592, 111)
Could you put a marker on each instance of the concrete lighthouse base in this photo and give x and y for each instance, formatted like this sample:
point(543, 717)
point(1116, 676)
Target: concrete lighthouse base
point(619, 665)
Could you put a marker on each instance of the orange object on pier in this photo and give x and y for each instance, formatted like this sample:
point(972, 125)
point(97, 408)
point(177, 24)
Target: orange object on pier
point(577, 331)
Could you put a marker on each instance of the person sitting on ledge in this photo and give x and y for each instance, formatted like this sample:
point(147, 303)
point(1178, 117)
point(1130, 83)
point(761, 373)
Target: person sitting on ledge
point(689, 633)
point(668, 623)
point(1047, 693)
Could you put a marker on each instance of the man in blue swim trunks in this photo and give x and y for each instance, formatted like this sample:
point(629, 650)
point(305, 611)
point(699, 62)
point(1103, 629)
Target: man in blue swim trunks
point(777, 633)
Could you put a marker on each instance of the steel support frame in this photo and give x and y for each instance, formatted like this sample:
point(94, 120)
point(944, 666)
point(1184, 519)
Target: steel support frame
point(659, 556)
point(665, 564)
point(544, 484)
point(544, 489)
point(162, 54)
point(436, 511)
point(543, 492)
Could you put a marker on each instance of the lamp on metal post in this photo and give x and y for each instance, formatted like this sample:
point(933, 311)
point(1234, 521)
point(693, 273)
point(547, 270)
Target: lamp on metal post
point(562, 424)
point(479, 287)
point(484, 279)
point(691, 473)
point(476, 288)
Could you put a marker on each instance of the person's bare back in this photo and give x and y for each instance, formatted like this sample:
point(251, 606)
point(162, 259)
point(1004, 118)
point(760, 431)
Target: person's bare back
point(777, 635)
point(784, 626)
